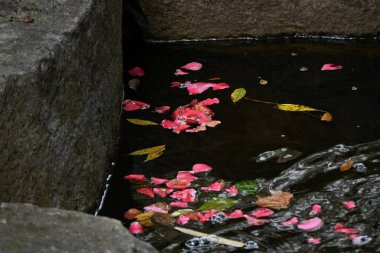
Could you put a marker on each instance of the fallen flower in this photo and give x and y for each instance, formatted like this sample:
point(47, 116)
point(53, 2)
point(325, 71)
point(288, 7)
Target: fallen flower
point(194, 66)
point(136, 71)
point(330, 66)
point(147, 191)
point(158, 181)
point(136, 228)
point(262, 212)
point(316, 209)
point(349, 204)
point(136, 177)
point(178, 183)
point(216, 186)
point(178, 204)
point(311, 225)
point(162, 109)
point(133, 105)
point(314, 240)
point(162, 192)
point(252, 221)
point(201, 167)
point(292, 221)
point(339, 228)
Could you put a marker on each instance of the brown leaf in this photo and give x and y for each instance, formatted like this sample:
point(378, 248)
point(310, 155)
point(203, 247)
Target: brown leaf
point(278, 200)
point(132, 213)
point(163, 219)
point(326, 117)
point(144, 219)
point(346, 166)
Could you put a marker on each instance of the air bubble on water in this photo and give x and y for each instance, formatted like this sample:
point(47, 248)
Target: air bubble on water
point(359, 167)
point(263, 157)
point(283, 135)
point(354, 88)
point(303, 69)
point(251, 245)
point(219, 218)
point(294, 54)
point(361, 240)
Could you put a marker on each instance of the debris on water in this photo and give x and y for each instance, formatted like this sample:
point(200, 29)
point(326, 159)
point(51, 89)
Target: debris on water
point(339, 228)
point(311, 225)
point(198, 242)
point(290, 222)
point(359, 167)
point(361, 240)
point(263, 82)
point(354, 88)
point(277, 200)
point(262, 212)
point(136, 71)
point(219, 218)
point(303, 69)
point(251, 245)
point(330, 66)
point(200, 87)
point(134, 84)
point(294, 54)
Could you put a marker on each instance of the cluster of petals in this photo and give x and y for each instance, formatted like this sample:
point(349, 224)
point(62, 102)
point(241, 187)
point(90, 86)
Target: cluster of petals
point(187, 195)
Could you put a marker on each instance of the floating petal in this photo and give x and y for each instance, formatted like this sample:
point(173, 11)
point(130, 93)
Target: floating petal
point(158, 208)
point(330, 66)
point(136, 177)
point(262, 212)
point(158, 181)
point(311, 225)
point(136, 228)
point(252, 221)
point(179, 72)
point(178, 183)
point(162, 192)
point(235, 214)
point(186, 175)
point(292, 221)
point(179, 204)
point(216, 186)
point(339, 228)
point(133, 105)
point(131, 213)
point(232, 191)
point(201, 167)
point(162, 109)
point(194, 66)
point(314, 240)
point(316, 209)
point(136, 71)
point(182, 220)
point(147, 191)
point(187, 195)
point(349, 204)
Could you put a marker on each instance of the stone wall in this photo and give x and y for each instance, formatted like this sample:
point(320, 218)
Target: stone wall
point(60, 96)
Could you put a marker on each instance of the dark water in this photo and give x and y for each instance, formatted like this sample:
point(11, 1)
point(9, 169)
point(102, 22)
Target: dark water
point(249, 129)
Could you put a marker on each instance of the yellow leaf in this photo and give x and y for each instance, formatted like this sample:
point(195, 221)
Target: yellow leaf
point(144, 219)
point(147, 151)
point(263, 82)
point(142, 122)
point(326, 117)
point(295, 108)
point(153, 156)
point(238, 94)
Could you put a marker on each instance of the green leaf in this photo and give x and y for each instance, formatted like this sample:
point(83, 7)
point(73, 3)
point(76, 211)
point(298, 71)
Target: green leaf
point(238, 94)
point(147, 151)
point(247, 187)
point(217, 204)
point(142, 122)
point(153, 156)
point(295, 108)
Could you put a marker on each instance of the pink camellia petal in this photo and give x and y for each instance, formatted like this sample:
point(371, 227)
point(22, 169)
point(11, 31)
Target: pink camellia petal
point(198, 88)
point(353, 236)
point(220, 86)
point(194, 66)
point(136, 228)
point(330, 66)
point(157, 208)
point(262, 212)
point(179, 204)
point(232, 191)
point(311, 225)
point(316, 209)
point(349, 204)
point(162, 109)
point(339, 228)
point(186, 175)
point(291, 221)
point(136, 177)
point(175, 84)
point(201, 167)
point(133, 105)
point(176, 127)
point(187, 195)
point(157, 181)
point(210, 101)
point(216, 186)
point(178, 183)
point(206, 215)
point(162, 192)
point(235, 214)
point(179, 72)
point(252, 221)
point(147, 191)
point(182, 220)
point(314, 240)
point(136, 71)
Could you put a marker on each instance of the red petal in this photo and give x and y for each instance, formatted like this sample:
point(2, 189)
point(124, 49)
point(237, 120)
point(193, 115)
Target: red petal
point(192, 66)
point(178, 183)
point(210, 101)
point(136, 228)
point(220, 86)
point(349, 204)
point(292, 221)
point(316, 209)
point(216, 186)
point(162, 109)
point(232, 191)
point(235, 214)
point(206, 215)
point(187, 195)
point(201, 167)
point(198, 88)
point(162, 192)
point(262, 212)
point(147, 191)
point(175, 84)
point(311, 225)
point(133, 105)
point(179, 72)
point(137, 177)
point(157, 181)
point(186, 175)
point(136, 71)
point(314, 240)
point(182, 220)
point(178, 204)
point(330, 66)
point(252, 221)
point(339, 228)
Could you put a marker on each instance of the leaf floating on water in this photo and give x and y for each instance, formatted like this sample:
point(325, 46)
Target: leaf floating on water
point(263, 82)
point(142, 122)
point(346, 166)
point(219, 204)
point(147, 151)
point(295, 108)
point(278, 200)
point(326, 117)
point(153, 156)
point(238, 94)
point(247, 187)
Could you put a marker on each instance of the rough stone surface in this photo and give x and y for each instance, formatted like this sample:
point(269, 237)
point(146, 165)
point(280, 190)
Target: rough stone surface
point(203, 19)
point(60, 96)
point(25, 228)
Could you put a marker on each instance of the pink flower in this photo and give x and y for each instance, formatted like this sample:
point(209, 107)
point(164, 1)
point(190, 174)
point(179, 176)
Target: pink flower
point(201, 167)
point(291, 221)
point(136, 228)
point(339, 228)
point(187, 195)
point(179, 72)
point(178, 204)
point(136, 71)
point(235, 214)
point(162, 109)
point(162, 192)
point(178, 183)
point(194, 66)
point(311, 225)
point(349, 204)
point(186, 175)
point(147, 191)
point(252, 221)
point(330, 66)
point(262, 212)
point(314, 240)
point(216, 186)
point(132, 105)
point(157, 181)
point(136, 177)
point(182, 220)
point(316, 209)
point(232, 191)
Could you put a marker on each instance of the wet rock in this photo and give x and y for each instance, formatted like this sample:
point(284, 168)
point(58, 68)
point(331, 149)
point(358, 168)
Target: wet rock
point(27, 228)
point(60, 95)
point(198, 19)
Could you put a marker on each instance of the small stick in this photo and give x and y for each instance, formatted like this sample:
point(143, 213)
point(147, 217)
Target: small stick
point(211, 237)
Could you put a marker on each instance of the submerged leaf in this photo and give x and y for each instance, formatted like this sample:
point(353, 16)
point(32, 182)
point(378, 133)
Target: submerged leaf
point(247, 187)
point(142, 122)
point(238, 94)
point(147, 151)
point(326, 117)
point(219, 204)
point(295, 108)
